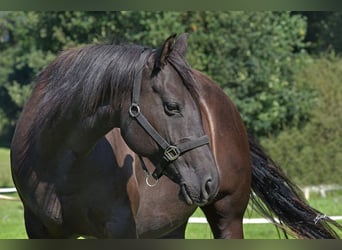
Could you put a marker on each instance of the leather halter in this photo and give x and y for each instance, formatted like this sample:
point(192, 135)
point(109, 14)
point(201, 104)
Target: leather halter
point(170, 152)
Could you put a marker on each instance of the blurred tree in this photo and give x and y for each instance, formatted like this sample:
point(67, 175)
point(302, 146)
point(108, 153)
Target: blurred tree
point(312, 154)
point(254, 56)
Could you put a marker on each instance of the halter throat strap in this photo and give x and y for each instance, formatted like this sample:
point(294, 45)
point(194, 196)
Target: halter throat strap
point(170, 152)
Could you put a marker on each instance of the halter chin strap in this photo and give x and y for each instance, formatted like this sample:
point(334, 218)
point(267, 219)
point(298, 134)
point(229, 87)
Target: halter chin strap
point(170, 152)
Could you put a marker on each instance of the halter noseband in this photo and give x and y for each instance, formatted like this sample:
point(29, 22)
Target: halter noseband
point(170, 152)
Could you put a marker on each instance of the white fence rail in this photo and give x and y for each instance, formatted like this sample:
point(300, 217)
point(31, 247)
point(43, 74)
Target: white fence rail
point(322, 189)
point(7, 190)
point(202, 220)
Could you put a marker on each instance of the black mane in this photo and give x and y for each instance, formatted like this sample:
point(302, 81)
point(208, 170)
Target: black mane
point(87, 77)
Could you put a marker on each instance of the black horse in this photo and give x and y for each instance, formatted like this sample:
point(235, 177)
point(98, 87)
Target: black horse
point(82, 95)
point(77, 176)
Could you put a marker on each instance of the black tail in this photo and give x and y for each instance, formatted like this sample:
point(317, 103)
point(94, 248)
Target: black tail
point(275, 196)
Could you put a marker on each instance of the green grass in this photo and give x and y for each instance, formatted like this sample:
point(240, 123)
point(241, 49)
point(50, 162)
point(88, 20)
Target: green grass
point(251, 231)
point(12, 222)
point(5, 172)
point(330, 205)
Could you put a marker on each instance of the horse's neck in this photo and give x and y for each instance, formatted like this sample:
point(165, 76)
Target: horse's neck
point(84, 133)
point(80, 135)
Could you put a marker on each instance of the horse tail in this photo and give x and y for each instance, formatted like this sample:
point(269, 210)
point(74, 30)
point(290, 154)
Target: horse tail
point(275, 197)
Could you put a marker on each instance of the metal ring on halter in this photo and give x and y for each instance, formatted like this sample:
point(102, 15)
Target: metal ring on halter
point(134, 110)
point(148, 176)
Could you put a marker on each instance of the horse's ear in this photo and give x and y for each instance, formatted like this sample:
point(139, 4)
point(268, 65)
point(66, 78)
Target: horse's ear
point(181, 44)
point(164, 52)
point(170, 45)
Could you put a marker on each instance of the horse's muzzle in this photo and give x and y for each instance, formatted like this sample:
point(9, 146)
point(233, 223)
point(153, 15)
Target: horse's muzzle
point(200, 197)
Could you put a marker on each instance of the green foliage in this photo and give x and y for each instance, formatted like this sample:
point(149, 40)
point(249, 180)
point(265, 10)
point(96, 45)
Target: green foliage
point(252, 55)
point(312, 155)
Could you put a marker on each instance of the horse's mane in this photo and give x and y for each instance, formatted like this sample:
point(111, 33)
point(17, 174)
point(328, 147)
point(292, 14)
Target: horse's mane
point(94, 75)
point(87, 77)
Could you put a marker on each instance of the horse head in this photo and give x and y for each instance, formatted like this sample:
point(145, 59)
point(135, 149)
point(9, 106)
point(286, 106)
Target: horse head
point(162, 122)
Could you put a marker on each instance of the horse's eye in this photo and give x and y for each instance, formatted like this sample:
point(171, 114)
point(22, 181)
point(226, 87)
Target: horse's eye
point(171, 108)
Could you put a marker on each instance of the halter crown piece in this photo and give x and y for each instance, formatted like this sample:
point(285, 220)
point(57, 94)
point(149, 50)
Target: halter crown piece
point(170, 152)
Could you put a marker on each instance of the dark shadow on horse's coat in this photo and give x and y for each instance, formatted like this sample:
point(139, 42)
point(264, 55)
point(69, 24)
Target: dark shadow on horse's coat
point(92, 198)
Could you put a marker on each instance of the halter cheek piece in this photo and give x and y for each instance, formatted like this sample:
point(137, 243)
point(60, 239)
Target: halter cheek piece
point(170, 152)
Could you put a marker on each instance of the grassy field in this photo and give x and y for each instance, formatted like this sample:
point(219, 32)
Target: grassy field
point(5, 173)
point(11, 220)
point(330, 205)
point(12, 223)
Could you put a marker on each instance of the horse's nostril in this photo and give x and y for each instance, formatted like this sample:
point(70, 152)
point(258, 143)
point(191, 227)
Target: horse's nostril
point(207, 188)
point(208, 185)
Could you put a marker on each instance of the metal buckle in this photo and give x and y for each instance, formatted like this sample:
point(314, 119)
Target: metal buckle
point(171, 153)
